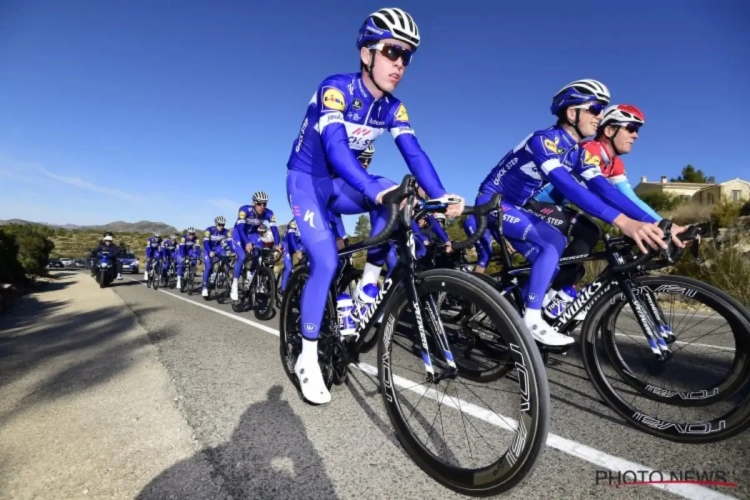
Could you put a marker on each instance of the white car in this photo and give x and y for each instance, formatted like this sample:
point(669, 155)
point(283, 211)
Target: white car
point(66, 261)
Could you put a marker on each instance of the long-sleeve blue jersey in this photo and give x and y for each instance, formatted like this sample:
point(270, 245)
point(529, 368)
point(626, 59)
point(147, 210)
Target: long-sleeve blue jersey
point(553, 156)
point(213, 237)
point(248, 222)
point(292, 241)
point(189, 248)
point(342, 119)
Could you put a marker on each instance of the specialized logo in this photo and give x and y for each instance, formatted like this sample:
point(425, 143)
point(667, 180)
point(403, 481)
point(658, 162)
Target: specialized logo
point(309, 218)
point(401, 114)
point(553, 146)
point(333, 99)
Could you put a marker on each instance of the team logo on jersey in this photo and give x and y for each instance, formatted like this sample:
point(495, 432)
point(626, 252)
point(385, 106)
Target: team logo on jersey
point(333, 99)
point(357, 104)
point(592, 160)
point(182, 240)
point(553, 146)
point(242, 214)
point(208, 233)
point(401, 114)
point(273, 219)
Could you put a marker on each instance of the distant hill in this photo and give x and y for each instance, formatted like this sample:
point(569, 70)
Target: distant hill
point(117, 226)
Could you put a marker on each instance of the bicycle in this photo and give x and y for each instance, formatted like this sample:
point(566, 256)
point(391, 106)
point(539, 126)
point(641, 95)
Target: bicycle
point(188, 279)
point(404, 289)
point(154, 277)
point(220, 273)
point(170, 280)
point(259, 292)
point(626, 281)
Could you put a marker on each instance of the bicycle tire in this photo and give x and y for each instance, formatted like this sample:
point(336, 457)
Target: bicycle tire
point(718, 429)
point(516, 464)
point(288, 359)
point(239, 304)
point(191, 281)
point(268, 313)
point(156, 269)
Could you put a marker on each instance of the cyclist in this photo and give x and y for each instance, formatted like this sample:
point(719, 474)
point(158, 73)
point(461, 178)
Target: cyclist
point(212, 246)
point(346, 113)
point(245, 233)
point(521, 174)
point(168, 252)
point(292, 247)
point(615, 136)
point(189, 249)
point(153, 245)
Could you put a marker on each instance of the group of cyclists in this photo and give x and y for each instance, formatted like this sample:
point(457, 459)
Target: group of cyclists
point(328, 176)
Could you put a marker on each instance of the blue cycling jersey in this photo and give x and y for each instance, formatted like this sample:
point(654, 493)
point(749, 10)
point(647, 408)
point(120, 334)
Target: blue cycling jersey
point(248, 222)
point(342, 119)
point(213, 238)
point(549, 155)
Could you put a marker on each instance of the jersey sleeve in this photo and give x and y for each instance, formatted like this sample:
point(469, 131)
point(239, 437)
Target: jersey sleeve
point(617, 174)
point(546, 152)
point(207, 241)
point(408, 145)
point(271, 218)
point(331, 102)
point(437, 229)
point(587, 167)
point(624, 187)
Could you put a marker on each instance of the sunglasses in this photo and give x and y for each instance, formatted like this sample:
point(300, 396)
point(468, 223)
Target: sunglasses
point(632, 127)
point(394, 52)
point(220, 225)
point(595, 108)
point(260, 204)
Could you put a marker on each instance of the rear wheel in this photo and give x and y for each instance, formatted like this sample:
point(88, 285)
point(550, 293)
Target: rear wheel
point(264, 293)
point(156, 271)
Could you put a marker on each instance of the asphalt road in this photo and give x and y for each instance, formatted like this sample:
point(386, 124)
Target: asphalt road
point(261, 440)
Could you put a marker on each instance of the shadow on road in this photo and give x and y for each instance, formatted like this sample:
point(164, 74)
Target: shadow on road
point(268, 456)
point(41, 361)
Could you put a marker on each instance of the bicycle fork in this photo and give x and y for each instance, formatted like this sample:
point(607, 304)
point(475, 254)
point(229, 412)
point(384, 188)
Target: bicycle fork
point(649, 315)
point(436, 326)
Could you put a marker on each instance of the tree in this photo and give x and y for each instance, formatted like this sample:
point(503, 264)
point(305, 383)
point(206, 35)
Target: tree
point(34, 247)
point(362, 227)
point(661, 201)
point(690, 174)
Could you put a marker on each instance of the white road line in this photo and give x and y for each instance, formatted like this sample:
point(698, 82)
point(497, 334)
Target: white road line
point(573, 448)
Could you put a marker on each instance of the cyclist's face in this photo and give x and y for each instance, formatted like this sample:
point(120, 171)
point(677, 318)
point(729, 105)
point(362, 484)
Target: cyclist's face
point(422, 222)
point(391, 58)
point(259, 208)
point(625, 138)
point(191, 236)
point(365, 162)
point(220, 226)
point(589, 117)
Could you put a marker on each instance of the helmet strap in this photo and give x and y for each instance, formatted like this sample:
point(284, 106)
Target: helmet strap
point(369, 71)
point(575, 124)
point(612, 141)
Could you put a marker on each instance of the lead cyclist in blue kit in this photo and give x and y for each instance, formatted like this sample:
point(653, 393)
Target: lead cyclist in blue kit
point(324, 179)
point(538, 159)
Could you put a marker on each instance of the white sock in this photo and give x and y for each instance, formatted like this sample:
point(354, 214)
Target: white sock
point(309, 350)
point(532, 317)
point(371, 274)
point(234, 281)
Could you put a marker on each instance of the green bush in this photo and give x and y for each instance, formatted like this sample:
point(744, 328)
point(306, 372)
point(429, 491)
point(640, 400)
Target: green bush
point(34, 247)
point(725, 213)
point(11, 270)
point(661, 202)
point(745, 210)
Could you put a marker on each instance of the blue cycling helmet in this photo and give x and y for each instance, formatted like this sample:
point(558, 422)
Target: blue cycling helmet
point(388, 23)
point(579, 92)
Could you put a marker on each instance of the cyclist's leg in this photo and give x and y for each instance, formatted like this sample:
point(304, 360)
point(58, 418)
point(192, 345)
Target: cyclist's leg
point(206, 272)
point(288, 266)
point(585, 234)
point(239, 250)
point(349, 201)
point(483, 246)
point(521, 227)
point(149, 257)
point(308, 197)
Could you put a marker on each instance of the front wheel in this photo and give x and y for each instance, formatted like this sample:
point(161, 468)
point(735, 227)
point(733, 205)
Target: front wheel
point(264, 293)
point(401, 338)
point(699, 392)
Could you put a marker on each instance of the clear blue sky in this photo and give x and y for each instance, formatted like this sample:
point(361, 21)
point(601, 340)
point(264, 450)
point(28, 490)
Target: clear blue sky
point(179, 111)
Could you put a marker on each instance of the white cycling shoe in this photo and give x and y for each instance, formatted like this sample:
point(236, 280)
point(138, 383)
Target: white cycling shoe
point(204, 292)
point(179, 282)
point(235, 293)
point(145, 276)
point(308, 372)
point(542, 332)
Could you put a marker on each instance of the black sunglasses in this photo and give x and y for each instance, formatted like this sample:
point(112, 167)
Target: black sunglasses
point(394, 52)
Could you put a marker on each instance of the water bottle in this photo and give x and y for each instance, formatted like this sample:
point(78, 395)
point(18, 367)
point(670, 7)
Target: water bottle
point(344, 306)
point(569, 291)
point(365, 297)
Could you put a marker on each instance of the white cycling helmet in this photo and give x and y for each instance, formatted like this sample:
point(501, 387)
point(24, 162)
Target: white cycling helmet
point(621, 114)
point(220, 220)
point(190, 230)
point(389, 23)
point(157, 234)
point(260, 197)
point(108, 238)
